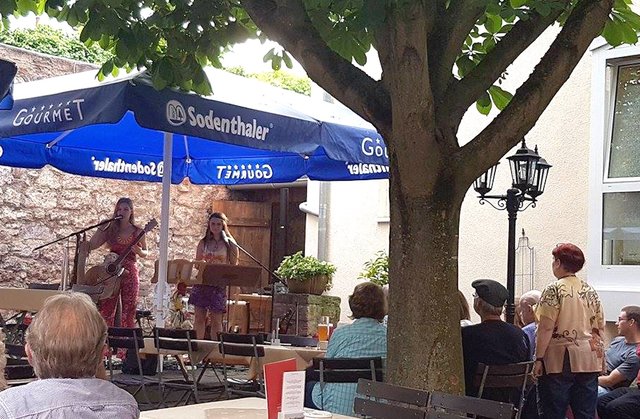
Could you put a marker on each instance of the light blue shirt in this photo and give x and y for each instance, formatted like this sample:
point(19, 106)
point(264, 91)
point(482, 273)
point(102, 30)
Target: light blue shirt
point(61, 398)
point(365, 337)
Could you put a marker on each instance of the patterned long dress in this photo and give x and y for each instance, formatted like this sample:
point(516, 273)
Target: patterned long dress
point(129, 285)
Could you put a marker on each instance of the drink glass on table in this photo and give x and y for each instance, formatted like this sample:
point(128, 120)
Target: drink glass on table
point(323, 329)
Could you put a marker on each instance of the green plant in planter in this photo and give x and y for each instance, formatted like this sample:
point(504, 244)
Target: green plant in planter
point(376, 270)
point(297, 267)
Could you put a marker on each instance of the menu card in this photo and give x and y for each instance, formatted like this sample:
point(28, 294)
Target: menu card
point(293, 394)
point(273, 378)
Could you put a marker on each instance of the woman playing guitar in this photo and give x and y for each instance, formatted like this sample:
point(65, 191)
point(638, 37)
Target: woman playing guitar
point(122, 236)
point(217, 246)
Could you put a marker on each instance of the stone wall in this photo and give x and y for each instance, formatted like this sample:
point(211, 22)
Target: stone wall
point(38, 206)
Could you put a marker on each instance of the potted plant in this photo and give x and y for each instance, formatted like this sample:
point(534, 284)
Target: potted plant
point(306, 274)
point(376, 270)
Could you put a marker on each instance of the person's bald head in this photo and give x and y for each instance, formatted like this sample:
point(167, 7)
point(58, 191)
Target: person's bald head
point(525, 306)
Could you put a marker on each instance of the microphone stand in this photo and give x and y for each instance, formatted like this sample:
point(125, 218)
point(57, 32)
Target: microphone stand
point(277, 278)
point(77, 235)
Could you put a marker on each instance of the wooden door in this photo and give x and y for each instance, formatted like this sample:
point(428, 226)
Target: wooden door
point(250, 225)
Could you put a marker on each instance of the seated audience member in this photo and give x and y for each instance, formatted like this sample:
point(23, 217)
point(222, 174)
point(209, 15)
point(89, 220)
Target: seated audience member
point(620, 357)
point(365, 337)
point(65, 345)
point(621, 403)
point(527, 316)
point(492, 341)
point(465, 315)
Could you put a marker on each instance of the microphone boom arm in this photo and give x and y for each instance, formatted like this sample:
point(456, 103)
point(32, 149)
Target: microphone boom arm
point(77, 233)
point(278, 279)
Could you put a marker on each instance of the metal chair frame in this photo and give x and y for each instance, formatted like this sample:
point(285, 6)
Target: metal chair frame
point(178, 340)
point(345, 370)
point(386, 401)
point(131, 339)
point(515, 376)
point(449, 406)
point(242, 345)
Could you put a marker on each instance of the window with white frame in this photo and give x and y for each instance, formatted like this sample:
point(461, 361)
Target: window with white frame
point(621, 209)
point(613, 254)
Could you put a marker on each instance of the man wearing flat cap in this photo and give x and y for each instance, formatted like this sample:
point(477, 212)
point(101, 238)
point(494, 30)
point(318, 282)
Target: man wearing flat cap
point(493, 341)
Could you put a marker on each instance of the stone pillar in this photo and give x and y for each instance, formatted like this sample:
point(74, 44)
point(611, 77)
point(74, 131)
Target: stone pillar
point(310, 310)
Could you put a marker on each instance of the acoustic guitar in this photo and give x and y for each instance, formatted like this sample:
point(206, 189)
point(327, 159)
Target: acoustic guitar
point(108, 274)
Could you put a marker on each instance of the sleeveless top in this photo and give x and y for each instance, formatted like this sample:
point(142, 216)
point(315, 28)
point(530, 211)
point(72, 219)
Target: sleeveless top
point(212, 254)
point(119, 246)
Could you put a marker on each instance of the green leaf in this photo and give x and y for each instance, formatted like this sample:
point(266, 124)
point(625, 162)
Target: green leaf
point(500, 97)
point(287, 59)
point(517, 3)
point(483, 105)
point(493, 23)
point(465, 65)
point(612, 33)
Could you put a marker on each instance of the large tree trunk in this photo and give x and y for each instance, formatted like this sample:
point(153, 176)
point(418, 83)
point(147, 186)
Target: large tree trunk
point(424, 329)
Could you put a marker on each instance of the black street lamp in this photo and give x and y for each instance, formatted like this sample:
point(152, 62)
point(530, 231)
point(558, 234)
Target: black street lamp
point(529, 176)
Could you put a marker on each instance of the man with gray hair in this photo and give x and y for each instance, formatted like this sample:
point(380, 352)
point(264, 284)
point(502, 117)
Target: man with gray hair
point(492, 341)
point(527, 315)
point(65, 345)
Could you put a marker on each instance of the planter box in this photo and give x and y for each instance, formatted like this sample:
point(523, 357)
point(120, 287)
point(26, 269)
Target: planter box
point(315, 285)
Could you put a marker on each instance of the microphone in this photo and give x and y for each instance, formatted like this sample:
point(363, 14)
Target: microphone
point(225, 238)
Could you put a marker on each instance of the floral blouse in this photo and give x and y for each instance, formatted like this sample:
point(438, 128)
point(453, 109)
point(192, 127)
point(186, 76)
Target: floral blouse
point(575, 308)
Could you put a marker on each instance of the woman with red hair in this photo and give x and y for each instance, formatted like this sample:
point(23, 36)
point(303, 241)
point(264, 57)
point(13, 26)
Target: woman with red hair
point(569, 346)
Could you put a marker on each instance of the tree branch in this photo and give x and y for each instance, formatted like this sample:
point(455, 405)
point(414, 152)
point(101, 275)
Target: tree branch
point(286, 22)
point(463, 93)
point(445, 42)
point(583, 25)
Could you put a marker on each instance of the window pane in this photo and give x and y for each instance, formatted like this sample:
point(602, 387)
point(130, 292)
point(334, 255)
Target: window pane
point(621, 228)
point(625, 145)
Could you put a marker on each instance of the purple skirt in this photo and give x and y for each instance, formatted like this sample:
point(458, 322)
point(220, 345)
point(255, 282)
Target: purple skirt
point(211, 297)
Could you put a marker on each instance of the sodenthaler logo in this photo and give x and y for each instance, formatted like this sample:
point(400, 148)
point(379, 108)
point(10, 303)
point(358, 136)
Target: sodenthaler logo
point(176, 115)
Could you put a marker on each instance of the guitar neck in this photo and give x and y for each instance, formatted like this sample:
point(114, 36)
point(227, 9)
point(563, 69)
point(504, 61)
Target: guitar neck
point(126, 252)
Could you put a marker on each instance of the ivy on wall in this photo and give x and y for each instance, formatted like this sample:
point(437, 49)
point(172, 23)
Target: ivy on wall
point(48, 40)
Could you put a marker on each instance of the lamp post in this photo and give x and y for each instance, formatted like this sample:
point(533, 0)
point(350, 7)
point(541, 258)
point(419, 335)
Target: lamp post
point(529, 177)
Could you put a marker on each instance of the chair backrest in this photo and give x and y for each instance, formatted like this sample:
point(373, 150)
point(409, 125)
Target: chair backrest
point(449, 406)
point(241, 345)
point(125, 337)
point(301, 341)
point(510, 376)
point(43, 286)
point(175, 339)
point(15, 351)
point(386, 401)
point(347, 370)
point(250, 338)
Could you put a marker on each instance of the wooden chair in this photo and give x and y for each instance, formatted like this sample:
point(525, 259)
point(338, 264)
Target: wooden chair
point(449, 406)
point(180, 340)
point(246, 345)
point(344, 370)
point(511, 378)
point(132, 340)
point(386, 401)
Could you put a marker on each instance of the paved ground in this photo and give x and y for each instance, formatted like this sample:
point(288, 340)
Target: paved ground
point(210, 389)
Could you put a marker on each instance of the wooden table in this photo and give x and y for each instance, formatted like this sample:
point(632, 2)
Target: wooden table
point(23, 299)
point(208, 349)
point(247, 408)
